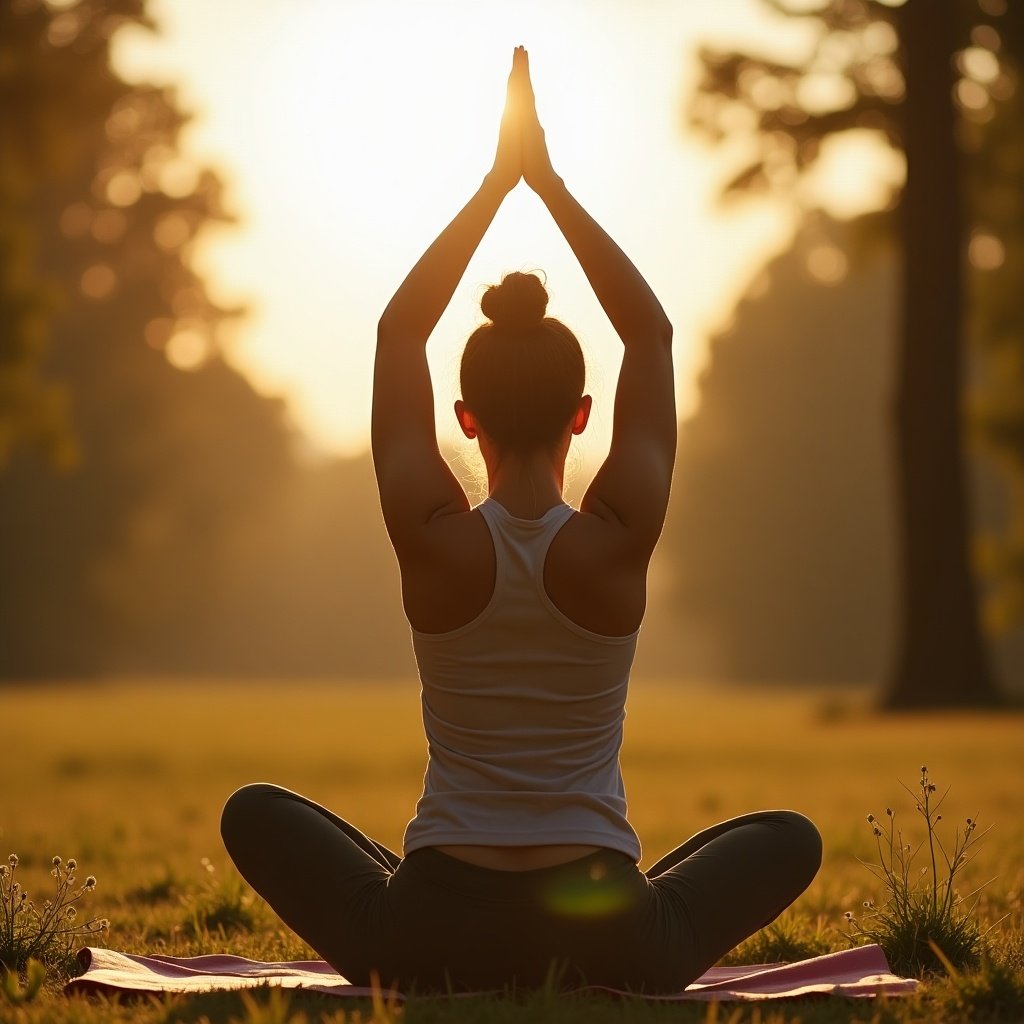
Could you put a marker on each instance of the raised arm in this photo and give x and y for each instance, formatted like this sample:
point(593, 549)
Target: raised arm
point(415, 483)
point(631, 488)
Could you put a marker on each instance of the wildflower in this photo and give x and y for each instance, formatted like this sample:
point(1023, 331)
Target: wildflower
point(848, 915)
point(50, 933)
point(917, 909)
point(72, 863)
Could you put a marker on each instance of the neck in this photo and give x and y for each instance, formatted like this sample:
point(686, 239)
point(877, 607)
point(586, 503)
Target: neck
point(526, 485)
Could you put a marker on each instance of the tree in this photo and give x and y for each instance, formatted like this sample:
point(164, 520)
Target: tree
point(890, 69)
point(189, 535)
point(106, 211)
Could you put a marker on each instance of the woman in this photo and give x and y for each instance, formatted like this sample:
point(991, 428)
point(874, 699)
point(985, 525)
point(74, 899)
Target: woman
point(519, 866)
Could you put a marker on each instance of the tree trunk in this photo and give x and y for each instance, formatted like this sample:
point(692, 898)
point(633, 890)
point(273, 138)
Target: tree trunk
point(941, 660)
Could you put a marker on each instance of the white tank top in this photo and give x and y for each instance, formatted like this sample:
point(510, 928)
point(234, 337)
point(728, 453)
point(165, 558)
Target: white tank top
point(523, 713)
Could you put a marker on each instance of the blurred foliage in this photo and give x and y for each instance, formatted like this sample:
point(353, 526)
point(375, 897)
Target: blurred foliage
point(50, 114)
point(846, 72)
point(780, 537)
point(851, 78)
point(782, 534)
point(996, 323)
point(188, 534)
point(848, 77)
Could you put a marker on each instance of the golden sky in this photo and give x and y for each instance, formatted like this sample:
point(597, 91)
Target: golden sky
point(350, 131)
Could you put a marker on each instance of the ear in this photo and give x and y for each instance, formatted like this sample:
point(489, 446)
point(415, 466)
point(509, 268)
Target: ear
point(582, 417)
point(466, 420)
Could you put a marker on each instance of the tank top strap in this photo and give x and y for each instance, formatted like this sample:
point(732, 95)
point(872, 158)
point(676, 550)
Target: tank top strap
point(522, 543)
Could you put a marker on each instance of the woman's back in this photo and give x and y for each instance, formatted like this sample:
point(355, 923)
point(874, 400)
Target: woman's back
point(585, 574)
point(523, 712)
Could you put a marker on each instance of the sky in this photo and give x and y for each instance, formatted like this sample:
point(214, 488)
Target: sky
point(349, 132)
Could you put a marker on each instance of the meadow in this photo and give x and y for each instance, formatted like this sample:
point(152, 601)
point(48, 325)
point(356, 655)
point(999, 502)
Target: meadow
point(129, 776)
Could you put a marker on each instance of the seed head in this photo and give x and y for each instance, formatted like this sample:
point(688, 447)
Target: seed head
point(938, 817)
point(70, 912)
point(877, 831)
point(3, 870)
point(13, 860)
point(90, 883)
point(888, 811)
point(72, 863)
point(848, 915)
point(56, 862)
point(871, 817)
point(924, 769)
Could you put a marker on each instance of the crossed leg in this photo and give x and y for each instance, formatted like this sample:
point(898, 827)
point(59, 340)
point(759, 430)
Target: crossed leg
point(729, 880)
point(321, 875)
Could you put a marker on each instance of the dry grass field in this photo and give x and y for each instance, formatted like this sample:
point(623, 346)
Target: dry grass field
point(129, 777)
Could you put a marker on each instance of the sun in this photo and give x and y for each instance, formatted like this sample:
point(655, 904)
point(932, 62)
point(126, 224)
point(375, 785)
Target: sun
point(381, 121)
point(349, 132)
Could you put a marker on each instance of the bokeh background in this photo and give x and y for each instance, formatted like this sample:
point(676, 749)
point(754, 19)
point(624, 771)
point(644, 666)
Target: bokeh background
point(204, 208)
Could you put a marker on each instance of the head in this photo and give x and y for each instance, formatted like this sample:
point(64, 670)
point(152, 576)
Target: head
point(522, 373)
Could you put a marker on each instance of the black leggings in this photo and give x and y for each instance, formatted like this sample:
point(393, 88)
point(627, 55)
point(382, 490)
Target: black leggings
point(431, 922)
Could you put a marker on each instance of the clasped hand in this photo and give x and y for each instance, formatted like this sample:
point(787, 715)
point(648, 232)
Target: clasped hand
point(522, 150)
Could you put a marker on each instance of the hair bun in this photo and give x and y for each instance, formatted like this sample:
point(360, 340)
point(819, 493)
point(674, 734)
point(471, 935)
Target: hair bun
point(521, 300)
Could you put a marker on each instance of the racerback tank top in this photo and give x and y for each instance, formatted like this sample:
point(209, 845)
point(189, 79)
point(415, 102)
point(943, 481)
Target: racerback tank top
point(523, 712)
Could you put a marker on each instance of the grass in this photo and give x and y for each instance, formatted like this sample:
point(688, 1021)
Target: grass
point(129, 778)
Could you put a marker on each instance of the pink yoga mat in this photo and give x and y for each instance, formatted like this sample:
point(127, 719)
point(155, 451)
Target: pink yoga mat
point(860, 972)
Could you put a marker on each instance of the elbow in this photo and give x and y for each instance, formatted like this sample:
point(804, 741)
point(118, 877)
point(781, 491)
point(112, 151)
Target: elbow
point(663, 331)
point(385, 326)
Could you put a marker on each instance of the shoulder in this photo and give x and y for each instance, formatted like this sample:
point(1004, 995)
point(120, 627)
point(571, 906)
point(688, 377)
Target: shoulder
point(596, 575)
point(448, 570)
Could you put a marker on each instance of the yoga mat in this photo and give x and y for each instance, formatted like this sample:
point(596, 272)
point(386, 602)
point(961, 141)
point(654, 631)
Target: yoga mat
point(858, 973)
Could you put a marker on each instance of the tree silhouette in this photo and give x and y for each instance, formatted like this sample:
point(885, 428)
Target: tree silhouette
point(892, 70)
point(193, 533)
